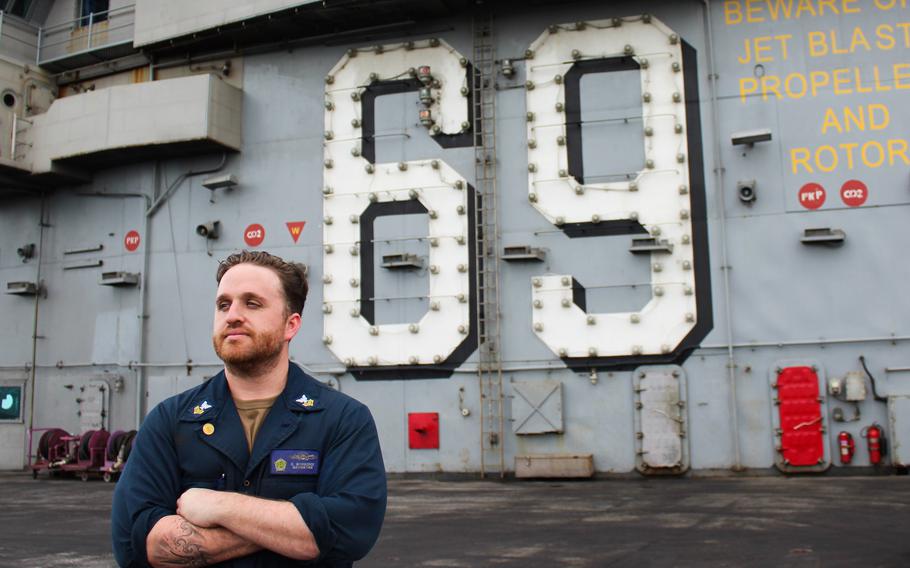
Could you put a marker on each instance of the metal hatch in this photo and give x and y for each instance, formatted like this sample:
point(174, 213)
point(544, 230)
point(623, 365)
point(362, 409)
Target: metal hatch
point(661, 420)
point(798, 417)
point(537, 407)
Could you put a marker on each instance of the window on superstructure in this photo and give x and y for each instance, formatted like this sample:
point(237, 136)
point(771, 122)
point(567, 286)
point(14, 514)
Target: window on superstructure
point(17, 7)
point(92, 10)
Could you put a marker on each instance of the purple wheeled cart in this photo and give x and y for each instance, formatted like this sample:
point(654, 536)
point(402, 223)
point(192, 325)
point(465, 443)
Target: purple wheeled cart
point(116, 453)
point(89, 454)
point(53, 450)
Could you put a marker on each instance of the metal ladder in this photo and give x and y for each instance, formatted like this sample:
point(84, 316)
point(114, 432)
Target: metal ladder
point(489, 369)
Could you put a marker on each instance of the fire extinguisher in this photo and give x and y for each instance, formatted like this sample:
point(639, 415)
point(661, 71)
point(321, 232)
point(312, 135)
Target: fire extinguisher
point(847, 447)
point(875, 440)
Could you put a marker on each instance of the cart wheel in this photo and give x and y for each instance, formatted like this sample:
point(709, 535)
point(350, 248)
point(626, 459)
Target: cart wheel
point(83, 476)
point(34, 474)
point(107, 477)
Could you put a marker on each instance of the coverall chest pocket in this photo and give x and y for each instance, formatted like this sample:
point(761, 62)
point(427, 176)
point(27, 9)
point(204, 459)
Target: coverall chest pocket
point(286, 486)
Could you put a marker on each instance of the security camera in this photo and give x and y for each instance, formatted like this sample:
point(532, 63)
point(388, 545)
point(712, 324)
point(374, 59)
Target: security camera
point(746, 190)
point(751, 137)
point(208, 230)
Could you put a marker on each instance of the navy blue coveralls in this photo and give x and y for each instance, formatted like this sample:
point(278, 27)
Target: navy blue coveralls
point(317, 448)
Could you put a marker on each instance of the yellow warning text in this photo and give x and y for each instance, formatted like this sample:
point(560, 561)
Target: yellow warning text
point(829, 157)
point(847, 119)
point(759, 11)
point(842, 81)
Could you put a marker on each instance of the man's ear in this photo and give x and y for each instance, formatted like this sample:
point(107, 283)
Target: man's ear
point(292, 326)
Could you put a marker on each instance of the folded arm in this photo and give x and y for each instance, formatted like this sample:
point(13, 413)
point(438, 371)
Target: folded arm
point(175, 541)
point(250, 521)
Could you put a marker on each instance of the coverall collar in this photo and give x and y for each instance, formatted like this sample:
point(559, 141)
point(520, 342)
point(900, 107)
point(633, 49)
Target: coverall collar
point(214, 408)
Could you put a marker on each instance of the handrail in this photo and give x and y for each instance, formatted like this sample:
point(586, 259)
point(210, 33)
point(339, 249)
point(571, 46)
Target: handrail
point(69, 24)
point(57, 35)
point(16, 23)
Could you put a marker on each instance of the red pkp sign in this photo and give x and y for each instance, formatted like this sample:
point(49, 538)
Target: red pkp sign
point(131, 241)
point(812, 196)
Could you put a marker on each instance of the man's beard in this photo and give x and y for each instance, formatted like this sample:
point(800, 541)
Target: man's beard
point(252, 360)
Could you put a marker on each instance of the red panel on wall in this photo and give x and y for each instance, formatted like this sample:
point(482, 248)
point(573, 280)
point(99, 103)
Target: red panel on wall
point(423, 430)
point(800, 417)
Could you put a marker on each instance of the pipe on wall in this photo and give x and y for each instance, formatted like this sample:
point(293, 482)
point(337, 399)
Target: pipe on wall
point(724, 260)
point(42, 224)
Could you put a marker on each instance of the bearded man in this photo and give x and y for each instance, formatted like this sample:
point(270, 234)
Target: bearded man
point(261, 465)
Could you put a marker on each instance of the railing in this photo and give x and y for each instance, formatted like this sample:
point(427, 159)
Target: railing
point(85, 34)
point(18, 38)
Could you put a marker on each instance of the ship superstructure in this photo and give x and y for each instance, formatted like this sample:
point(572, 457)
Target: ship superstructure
point(545, 238)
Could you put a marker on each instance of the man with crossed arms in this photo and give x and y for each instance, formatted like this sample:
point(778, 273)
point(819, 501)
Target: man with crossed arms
point(261, 465)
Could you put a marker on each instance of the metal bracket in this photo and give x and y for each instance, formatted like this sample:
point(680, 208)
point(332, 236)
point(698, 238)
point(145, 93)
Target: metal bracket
point(823, 236)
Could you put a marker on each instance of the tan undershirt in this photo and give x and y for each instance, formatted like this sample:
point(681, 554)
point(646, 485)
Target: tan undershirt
point(252, 415)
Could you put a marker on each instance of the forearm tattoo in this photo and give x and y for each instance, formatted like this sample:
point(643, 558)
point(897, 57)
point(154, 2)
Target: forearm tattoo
point(185, 548)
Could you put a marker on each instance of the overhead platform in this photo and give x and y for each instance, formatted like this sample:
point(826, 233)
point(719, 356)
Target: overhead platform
point(88, 40)
point(169, 28)
point(129, 123)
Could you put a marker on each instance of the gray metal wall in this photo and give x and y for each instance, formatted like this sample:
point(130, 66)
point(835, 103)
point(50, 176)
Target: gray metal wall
point(788, 302)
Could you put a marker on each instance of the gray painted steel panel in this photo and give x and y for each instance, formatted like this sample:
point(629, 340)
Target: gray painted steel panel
point(537, 407)
point(787, 300)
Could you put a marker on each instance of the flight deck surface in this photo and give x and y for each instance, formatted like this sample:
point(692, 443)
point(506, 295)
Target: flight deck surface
point(750, 521)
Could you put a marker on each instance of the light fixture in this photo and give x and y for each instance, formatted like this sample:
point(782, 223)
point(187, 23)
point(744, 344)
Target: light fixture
point(426, 96)
point(426, 117)
point(508, 70)
point(424, 74)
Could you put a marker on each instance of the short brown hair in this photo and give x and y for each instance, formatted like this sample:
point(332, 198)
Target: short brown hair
point(292, 275)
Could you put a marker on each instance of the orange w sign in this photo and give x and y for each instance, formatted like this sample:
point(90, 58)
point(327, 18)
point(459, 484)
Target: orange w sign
point(295, 228)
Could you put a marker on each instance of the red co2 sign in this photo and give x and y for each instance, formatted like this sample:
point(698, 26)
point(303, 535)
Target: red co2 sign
point(854, 193)
point(254, 235)
point(131, 241)
point(812, 196)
